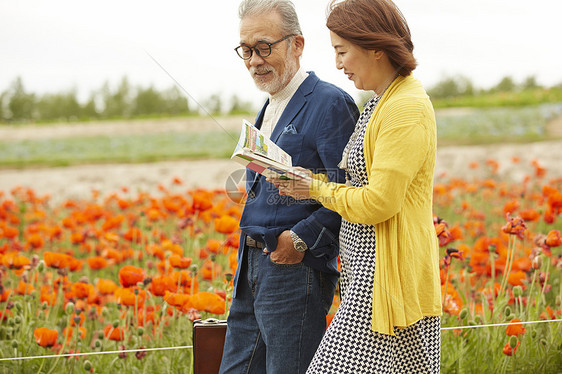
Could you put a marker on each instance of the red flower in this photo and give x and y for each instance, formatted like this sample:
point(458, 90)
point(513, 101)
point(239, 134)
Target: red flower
point(508, 351)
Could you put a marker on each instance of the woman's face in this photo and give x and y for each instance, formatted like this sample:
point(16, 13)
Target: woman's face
point(361, 66)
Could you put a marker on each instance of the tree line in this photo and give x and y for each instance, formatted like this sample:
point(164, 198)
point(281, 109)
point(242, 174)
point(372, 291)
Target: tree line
point(456, 86)
point(123, 101)
point(18, 105)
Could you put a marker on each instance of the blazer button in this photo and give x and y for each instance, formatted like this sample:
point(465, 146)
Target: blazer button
point(251, 194)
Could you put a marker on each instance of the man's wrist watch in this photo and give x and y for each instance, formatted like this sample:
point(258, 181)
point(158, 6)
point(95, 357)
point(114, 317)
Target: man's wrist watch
point(299, 244)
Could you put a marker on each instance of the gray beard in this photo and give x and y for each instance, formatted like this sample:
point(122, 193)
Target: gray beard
point(278, 82)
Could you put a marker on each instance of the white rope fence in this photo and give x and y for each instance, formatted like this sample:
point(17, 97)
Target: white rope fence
point(190, 346)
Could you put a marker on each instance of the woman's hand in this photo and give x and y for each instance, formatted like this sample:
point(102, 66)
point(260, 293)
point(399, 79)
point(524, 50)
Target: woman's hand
point(296, 188)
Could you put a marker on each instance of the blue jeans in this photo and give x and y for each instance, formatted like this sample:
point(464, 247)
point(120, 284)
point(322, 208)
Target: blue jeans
point(277, 318)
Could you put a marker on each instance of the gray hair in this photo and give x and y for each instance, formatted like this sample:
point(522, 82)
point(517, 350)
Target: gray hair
point(289, 20)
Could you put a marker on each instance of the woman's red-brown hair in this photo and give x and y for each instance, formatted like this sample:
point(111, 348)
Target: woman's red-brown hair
point(376, 25)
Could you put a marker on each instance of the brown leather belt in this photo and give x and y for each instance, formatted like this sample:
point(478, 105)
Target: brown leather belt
point(254, 244)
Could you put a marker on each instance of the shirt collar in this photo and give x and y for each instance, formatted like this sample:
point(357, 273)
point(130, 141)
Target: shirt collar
point(290, 89)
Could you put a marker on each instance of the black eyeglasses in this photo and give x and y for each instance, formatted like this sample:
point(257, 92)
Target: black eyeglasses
point(263, 49)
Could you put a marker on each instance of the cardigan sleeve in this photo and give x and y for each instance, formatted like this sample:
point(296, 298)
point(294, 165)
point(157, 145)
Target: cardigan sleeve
point(395, 146)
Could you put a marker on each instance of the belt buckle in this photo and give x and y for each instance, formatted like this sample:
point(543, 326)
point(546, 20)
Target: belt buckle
point(250, 242)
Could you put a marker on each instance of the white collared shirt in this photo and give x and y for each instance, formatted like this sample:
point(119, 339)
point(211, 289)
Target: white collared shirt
point(279, 101)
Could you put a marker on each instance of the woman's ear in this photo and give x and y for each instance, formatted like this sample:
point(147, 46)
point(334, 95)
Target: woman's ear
point(378, 54)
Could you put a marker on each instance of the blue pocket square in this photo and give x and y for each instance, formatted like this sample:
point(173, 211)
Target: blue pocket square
point(289, 129)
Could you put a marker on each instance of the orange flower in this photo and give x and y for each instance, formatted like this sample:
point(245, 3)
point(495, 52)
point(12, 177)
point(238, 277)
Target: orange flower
point(106, 286)
point(517, 278)
point(161, 284)
point(24, 288)
point(214, 245)
point(210, 270)
point(45, 337)
point(68, 331)
point(57, 260)
point(97, 262)
point(515, 226)
point(453, 302)
point(48, 295)
point(130, 275)
point(36, 241)
point(168, 245)
point(515, 328)
point(179, 262)
point(133, 235)
point(548, 313)
point(82, 290)
point(10, 232)
point(177, 299)
point(202, 200)
point(226, 224)
point(130, 296)
point(75, 264)
point(5, 295)
point(77, 237)
point(530, 215)
point(553, 238)
point(14, 261)
point(511, 206)
point(113, 333)
point(209, 302)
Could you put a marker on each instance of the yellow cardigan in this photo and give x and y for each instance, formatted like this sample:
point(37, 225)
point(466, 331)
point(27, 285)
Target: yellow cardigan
point(400, 149)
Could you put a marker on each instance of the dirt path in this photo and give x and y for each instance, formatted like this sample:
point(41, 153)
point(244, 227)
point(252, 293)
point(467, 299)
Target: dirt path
point(79, 181)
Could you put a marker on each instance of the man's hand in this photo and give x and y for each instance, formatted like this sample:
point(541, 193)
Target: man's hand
point(285, 254)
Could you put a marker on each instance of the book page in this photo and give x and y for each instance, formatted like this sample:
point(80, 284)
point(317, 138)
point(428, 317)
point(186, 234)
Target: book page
point(255, 141)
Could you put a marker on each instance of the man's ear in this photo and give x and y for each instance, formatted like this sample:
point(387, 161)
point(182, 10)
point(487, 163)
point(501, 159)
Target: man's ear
point(298, 45)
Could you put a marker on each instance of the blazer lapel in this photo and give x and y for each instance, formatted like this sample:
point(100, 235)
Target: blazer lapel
point(290, 112)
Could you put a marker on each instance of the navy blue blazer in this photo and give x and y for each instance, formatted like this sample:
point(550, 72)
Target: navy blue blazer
point(314, 129)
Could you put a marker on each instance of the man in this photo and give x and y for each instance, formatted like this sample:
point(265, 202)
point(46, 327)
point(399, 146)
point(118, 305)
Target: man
point(287, 270)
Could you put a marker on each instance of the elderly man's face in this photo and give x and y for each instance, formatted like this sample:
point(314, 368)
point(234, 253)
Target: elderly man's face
point(272, 73)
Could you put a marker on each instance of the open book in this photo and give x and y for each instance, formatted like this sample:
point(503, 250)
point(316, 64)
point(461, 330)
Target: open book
point(259, 153)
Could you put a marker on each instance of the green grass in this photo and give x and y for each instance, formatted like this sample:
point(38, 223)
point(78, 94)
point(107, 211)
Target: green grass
point(496, 125)
point(527, 97)
point(123, 149)
point(454, 127)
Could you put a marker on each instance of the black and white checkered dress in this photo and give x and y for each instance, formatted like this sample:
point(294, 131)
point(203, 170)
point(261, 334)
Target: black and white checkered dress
point(350, 346)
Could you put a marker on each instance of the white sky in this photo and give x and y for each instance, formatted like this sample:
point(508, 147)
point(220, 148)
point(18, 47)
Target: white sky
point(55, 45)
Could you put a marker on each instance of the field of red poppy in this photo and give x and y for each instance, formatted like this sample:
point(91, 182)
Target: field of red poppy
point(133, 270)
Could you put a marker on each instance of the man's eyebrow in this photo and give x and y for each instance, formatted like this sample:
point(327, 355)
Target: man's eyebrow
point(257, 41)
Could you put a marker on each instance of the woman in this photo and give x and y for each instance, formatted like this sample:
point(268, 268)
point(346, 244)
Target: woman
point(389, 317)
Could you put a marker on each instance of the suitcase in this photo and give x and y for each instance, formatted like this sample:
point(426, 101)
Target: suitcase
point(208, 343)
